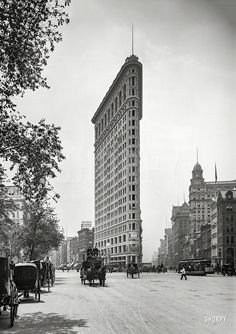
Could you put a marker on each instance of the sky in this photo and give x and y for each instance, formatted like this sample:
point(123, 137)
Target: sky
point(188, 52)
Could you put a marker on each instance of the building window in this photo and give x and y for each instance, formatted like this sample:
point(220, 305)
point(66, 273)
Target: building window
point(120, 98)
point(112, 110)
point(124, 92)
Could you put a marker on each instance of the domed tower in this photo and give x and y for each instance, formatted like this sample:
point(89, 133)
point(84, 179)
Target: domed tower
point(197, 172)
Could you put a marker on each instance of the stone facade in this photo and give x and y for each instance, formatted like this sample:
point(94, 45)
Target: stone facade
point(85, 239)
point(226, 226)
point(180, 231)
point(201, 195)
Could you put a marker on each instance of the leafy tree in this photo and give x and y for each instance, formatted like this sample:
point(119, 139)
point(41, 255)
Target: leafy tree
point(40, 231)
point(29, 30)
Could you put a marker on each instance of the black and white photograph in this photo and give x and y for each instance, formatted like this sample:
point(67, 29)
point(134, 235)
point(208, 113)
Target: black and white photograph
point(117, 166)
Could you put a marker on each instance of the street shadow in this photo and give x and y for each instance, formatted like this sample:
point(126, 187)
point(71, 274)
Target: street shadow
point(47, 323)
point(30, 301)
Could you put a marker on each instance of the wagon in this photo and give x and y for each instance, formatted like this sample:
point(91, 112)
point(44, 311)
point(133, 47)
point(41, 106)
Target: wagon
point(93, 269)
point(27, 280)
point(8, 291)
point(47, 274)
point(133, 270)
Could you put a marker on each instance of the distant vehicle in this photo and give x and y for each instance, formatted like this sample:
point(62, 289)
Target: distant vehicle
point(64, 267)
point(133, 270)
point(195, 267)
point(8, 290)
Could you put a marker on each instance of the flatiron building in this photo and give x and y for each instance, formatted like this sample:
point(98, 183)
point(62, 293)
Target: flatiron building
point(118, 224)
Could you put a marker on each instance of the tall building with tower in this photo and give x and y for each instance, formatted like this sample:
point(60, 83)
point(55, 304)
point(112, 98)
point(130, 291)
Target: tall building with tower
point(201, 194)
point(118, 225)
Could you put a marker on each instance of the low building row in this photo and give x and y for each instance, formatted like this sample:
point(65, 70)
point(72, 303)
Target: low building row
point(73, 249)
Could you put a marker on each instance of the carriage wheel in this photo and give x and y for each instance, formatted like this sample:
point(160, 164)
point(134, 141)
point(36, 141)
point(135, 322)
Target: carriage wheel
point(52, 281)
point(48, 284)
point(12, 310)
point(37, 295)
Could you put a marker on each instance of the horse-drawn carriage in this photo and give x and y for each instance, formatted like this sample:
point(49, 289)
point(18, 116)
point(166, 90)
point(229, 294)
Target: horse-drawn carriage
point(8, 290)
point(93, 269)
point(47, 274)
point(133, 270)
point(27, 280)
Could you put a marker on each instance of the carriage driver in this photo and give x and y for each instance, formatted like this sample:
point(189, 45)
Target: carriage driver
point(95, 251)
point(89, 251)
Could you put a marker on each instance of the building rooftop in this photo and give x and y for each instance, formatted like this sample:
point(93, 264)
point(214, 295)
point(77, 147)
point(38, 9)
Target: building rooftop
point(129, 60)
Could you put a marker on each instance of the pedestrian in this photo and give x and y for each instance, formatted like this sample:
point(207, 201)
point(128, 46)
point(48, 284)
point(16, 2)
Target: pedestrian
point(183, 274)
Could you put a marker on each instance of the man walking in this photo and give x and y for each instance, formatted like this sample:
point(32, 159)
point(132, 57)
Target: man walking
point(183, 274)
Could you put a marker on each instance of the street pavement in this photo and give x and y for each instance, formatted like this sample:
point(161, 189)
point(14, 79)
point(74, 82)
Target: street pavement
point(152, 304)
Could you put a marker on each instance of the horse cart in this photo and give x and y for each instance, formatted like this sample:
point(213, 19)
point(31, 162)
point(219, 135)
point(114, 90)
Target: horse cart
point(93, 269)
point(133, 270)
point(27, 280)
point(47, 274)
point(8, 291)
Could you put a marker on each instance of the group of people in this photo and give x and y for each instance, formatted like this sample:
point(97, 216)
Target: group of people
point(92, 251)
